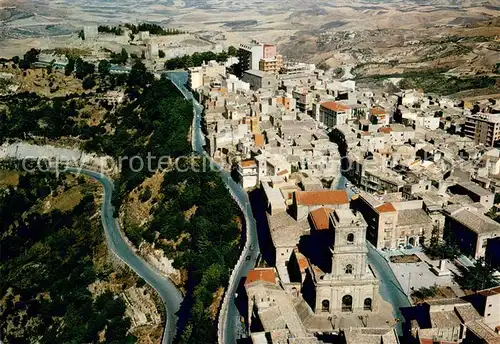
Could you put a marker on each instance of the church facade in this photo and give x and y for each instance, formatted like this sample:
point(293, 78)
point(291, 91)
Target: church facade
point(351, 287)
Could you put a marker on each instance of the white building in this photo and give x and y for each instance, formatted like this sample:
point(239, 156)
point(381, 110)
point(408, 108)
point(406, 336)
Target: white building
point(247, 171)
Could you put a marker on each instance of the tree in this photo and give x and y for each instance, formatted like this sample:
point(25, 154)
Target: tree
point(120, 58)
point(232, 51)
point(478, 277)
point(139, 75)
point(88, 83)
point(81, 35)
point(161, 54)
point(70, 67)
point(50, 67)
point(441, 249)
point(104, 68)
point(31, 55)
point(83, 69)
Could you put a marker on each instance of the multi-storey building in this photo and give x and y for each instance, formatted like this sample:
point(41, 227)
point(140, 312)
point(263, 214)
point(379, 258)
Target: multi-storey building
point(333, 114)
point(483, 128)
point(250, 55)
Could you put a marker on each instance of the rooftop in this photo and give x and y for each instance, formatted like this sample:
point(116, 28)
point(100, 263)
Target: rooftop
point(248, 163)
point(334, 106)
point(386, 208)
point(408, 217)
point(261, 274)
point(323, 197)
point(477, 222)
point(473, 187)
point(320, 218)
point(377, 111)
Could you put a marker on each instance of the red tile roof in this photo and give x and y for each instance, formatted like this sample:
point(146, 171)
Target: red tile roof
point(282, 173)
point(321, 218)
point(385, 130)
point(386, 208)
point(261, 274)
point(378, 111)
point(259, 140)
point(323, 197)
point(248, 163)
point(334, 106)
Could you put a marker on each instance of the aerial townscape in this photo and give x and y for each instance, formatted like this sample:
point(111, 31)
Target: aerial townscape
point(266, 172)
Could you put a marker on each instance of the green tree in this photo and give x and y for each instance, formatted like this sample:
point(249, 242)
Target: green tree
point(88, 83)
point(70, 67)
point(161, 54)
point(232, 51)
point(478, 277)
point(104, 68)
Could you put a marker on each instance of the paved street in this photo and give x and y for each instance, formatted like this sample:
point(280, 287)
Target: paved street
point(231, 324)
point(170, 295)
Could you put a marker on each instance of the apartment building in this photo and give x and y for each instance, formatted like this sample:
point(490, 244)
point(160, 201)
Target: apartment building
point(471, 229)
point(271, 61)
point(483, 128)
point(204, 74)
point(334, 114)
point(391, 224)
point(250, 55)
point(303, 99)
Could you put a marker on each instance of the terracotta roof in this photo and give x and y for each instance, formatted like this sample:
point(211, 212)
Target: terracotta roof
point(281, 173)
point(378, 111)
point(261, 274)
point(386, 208)
point(489, 292)
point(385, 130)
point(320, 218)
point(248, 163)
point(322, 197)
point(259, 140)
point(334, 106)
point(301, 260)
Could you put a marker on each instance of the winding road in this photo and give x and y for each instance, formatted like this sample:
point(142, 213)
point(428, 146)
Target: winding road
point(171, 297)
point(230, 323)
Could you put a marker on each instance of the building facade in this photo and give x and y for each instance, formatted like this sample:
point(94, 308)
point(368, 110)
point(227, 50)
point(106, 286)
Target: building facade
point(483, 128)
point(351, 287)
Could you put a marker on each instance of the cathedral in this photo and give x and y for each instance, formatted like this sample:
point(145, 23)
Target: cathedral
point(351, 286)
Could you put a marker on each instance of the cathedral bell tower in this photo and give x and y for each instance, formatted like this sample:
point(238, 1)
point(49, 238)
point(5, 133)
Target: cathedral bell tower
point(351, 287)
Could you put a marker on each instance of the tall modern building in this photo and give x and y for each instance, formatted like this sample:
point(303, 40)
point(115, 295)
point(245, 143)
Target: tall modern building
point(259, 56)
point(483, 128)
point(250, 55)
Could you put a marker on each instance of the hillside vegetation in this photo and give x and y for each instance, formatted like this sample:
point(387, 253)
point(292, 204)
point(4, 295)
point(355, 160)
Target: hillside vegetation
point(49, 258)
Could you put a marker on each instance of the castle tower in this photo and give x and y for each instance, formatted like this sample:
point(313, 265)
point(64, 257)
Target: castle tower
point(351, 287)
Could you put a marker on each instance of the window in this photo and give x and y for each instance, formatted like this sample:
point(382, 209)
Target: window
point(347, 303)
point(350, 238)
point(348, 269)
point(367, 305)
point(325, 306)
